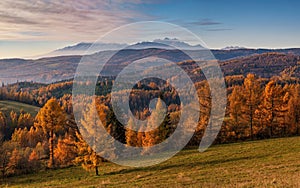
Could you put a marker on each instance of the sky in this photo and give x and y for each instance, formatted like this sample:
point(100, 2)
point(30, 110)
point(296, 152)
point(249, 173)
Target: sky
point(33, 27)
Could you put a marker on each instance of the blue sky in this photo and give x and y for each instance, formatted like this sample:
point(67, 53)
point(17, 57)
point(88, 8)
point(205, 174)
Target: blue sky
point(254, 23)
point(34, 27)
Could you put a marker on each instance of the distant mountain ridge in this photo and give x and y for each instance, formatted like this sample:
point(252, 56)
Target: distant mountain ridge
point(233, 48)
point(235, 53)
point(166, 43)
point(85, 48)
point(264, 62)
point(178, 44)
point(81, 49)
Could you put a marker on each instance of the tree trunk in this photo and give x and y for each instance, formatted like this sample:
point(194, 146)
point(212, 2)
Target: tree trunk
point(3, 174)
point(251, 128)
point(96, 171)
point(251, 122)
point(51, 150)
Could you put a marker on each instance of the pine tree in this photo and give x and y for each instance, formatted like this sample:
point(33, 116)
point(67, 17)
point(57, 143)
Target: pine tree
point(252, 95)
point(6, 149)
point(40, 150)
point(87, 157)
point(283, 113)
point(100, 138)
point(65, 152)
point(13, 119)
point(271, 105)
point(14, 161)
point(205, 101)
point(3, 126)
point(158, 127)
point(131, 135)
point(20, 136)
point(114, 127)
point(236, 101)
point(294, 109)
point(34, 161)
point(24, 120)
point(141, 136)
point(52, 119)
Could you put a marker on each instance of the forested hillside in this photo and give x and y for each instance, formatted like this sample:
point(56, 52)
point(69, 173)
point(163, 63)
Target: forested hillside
point(260, 106)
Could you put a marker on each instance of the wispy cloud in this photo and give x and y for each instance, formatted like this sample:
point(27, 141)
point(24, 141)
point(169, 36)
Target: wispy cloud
point(219, 29)
point(209, 25)
point(10, 18)
point(205, 22)
point(64, 19)
point(31, 33)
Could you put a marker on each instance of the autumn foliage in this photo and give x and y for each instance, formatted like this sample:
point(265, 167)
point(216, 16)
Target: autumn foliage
point(257, 108)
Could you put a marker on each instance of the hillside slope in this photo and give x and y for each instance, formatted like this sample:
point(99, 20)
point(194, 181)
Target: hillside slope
point(267, 163)
point(240, 61)
point(265, 65)
point(8, 106)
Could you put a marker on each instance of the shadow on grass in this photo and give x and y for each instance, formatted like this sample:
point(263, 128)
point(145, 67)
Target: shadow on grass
point(41, 176)
point(185, 164)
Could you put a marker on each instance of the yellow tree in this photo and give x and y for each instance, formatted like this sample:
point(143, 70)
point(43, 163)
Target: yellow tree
point(20, 136)
point(152, 135)
point(204, 94)
point(140, 136)
point(6, 150)
point(101, 143)
point(65, 152)
point(3, 126)
point(25, 120)
point(158, 127)
point(131, 135)
point(15, 161)
point(52, 119)
point(13, 119)
point(33, 160)
point(87, 157)
point(294, 109)
point(235, 110)
point(252, 95)
point(272, 103)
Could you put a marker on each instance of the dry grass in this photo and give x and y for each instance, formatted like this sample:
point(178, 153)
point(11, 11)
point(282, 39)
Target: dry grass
point(268, 163)
point(8, 106)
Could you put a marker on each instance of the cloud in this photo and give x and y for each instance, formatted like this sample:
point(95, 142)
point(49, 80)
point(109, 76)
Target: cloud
point(31, 33)
point(208, 25)
point(218, 29)
point(205, 22)
point(14, 19)
point(83, 20)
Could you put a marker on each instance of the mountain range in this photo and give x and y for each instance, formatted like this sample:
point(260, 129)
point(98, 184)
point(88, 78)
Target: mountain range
point(63, 64)
point(85, 48)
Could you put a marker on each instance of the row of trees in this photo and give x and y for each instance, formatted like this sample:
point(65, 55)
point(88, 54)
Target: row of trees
point(256, 109)
point(51, 141)
point(259, 111)
point(10, 122)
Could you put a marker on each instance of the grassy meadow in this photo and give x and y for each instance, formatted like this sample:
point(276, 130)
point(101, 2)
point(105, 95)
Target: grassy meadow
point(266, 163)
point(8, 106)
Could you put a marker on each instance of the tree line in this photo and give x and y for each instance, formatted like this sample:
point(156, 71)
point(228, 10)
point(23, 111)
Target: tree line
point(257, 109)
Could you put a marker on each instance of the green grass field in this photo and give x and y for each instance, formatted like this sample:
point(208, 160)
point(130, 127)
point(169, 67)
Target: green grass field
point(7, 106)
point(268, 163)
